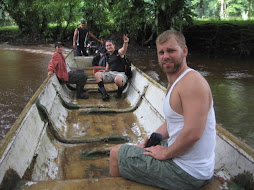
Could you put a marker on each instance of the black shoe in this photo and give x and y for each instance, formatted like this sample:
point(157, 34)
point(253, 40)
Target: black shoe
point(105, 96)
point(119, 92)
point(118, 96)
point(82, 96)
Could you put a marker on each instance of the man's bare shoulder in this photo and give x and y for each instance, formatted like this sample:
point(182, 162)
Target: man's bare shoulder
point(194, 82)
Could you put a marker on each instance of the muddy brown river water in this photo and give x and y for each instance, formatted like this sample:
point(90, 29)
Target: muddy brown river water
point(24, 68)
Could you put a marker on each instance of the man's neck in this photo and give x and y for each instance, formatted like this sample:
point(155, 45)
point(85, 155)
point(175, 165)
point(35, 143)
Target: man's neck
point(173, 76)
point(111, 52)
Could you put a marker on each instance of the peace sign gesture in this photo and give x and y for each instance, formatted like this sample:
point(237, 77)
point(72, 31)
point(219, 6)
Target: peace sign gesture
point(125, 38)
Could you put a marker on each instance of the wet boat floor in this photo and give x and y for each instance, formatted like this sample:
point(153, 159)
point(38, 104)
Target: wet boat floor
point(104, 130)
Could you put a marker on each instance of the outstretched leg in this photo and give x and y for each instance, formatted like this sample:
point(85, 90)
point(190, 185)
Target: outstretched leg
point(113, 162)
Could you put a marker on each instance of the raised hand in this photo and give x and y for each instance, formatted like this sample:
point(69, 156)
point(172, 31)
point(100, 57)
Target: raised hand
point(125, 38)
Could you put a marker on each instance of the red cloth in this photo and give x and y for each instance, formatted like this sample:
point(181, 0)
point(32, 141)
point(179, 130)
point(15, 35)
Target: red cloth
point(95, 70)
point(57, 64)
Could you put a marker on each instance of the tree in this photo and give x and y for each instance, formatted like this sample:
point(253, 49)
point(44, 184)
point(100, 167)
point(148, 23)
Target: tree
point(96, 14)
point(30, 16)
point(63, 13)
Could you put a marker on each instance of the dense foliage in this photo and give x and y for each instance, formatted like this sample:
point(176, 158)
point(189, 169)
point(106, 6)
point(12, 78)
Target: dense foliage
point(143, 18)
point(47, 20)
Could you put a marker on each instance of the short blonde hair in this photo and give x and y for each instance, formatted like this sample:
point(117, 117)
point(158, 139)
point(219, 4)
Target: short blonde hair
point(168, 34)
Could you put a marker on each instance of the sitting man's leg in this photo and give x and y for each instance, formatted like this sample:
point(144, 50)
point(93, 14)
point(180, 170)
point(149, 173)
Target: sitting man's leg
point(129, 162)
point(120, 81)
point(96, 60)
point(79, 78)
point(99, 79)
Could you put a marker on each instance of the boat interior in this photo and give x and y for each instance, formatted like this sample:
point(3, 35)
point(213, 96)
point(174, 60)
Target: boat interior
point(76, 135)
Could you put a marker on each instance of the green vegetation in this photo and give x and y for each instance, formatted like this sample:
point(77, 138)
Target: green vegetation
point(9, 28)
point(229, 21)
point(49, 20)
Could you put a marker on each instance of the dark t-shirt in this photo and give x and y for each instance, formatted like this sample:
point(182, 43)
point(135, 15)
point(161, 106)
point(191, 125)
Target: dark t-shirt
point(115, 62)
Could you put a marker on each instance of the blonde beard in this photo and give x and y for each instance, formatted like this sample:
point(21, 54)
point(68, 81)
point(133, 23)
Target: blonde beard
point(176, 66)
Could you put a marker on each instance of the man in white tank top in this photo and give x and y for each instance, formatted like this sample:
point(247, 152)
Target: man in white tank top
point(187, 161)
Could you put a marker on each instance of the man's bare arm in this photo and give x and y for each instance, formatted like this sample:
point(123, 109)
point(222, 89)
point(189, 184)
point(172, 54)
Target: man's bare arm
point(94, 37)
point(75, 37)
point(123, 50)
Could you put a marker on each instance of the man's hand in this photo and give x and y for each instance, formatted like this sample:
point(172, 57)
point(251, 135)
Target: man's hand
point(50, 73)
point(74, 45)
point(125, 38)
point(158, 152)
point(143, 145)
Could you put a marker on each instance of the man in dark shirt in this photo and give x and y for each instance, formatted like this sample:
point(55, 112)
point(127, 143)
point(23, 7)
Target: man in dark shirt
point(80, 37)
point(115, 69)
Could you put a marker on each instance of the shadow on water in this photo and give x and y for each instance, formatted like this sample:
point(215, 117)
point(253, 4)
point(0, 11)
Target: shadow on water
point(23, 69)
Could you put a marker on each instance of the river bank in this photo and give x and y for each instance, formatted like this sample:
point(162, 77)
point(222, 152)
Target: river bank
point(213, 38)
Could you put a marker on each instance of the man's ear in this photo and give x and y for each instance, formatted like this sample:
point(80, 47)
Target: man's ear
point(185, 50)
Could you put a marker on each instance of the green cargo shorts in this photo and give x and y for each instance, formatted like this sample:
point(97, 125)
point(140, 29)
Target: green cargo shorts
point(136, 166)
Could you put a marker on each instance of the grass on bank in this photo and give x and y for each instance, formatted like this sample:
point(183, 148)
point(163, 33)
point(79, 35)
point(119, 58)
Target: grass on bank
point(10, 33)
point(225, 21)
point(9, 28)
point(52, 26)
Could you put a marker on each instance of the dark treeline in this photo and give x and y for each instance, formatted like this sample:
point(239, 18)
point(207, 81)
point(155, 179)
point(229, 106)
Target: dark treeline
point(139, 18)
point(42, 21)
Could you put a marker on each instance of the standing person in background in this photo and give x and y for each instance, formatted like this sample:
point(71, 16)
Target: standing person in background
point(58, 65)
point(185, 159)
point(115, 69)
point(80, 37)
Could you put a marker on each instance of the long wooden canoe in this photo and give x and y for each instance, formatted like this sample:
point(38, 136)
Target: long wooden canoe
point(60, 142)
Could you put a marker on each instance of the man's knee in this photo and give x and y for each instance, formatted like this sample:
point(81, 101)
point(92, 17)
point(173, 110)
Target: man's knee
point(98, 75)
point(114, 150)
point(119, 81)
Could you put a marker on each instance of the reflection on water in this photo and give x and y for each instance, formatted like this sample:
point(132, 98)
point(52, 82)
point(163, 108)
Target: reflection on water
point(231, 81)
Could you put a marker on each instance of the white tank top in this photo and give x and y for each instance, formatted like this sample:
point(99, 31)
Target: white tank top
point(200, 159)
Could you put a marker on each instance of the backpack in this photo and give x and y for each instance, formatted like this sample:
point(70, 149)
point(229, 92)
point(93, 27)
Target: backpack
point(127, 63)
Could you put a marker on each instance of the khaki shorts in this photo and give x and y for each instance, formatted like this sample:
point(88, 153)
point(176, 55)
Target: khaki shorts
point(111, 75)
point(136, 166)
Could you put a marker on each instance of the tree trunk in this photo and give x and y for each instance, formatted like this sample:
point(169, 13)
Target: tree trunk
point(250, 9)
point(222, 10)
